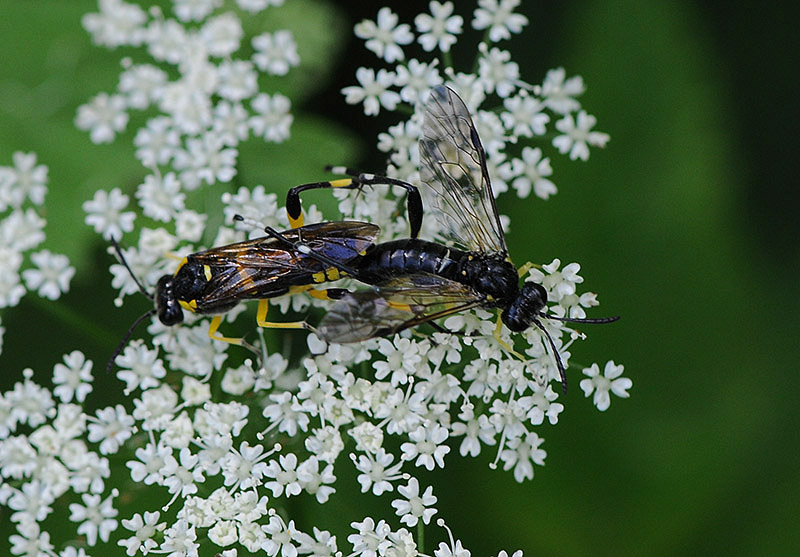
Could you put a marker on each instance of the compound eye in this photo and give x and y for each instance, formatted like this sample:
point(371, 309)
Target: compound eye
point(171, 313)
point(169, 310)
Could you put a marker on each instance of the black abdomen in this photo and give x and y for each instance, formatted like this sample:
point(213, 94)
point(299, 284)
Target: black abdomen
point(403, 257)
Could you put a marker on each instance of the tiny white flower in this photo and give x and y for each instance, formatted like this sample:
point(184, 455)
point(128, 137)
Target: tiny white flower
point(377, 472)
point(373, 91)
point(245, 467)
point(385, 37)
point(578, 135)
point(416, 78)
point(315, 481)
point(180, 539)
point(439, 29)
point(497, 72)
point(181, 477)
point(194, 10)
point(523, 116)
point(601, 384)
point(118, 23)
point(275, 53)
point(371, 539)
point(145, 529)
point(273, 119)
point(284, 474)
point(427, 446)
point(558, 92)
point(104, 117)
point(160, 196)
point(499, 17)
point(105, 213)
point(237, 80)
point(140, 367)
point(521, 454)
point(96, 517)
point(142, 83)
point(150, 460)
point(531, 173)
point(51, 276)
point(73, 378)
point(111, 428)
point(414, 507)
point(157, 142)
point(280, 537)
point(222, 34)
point(24, 180)
point(21, 231)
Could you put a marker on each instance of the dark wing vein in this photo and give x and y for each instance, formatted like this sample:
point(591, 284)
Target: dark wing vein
point(397, 304)
point(453, 166)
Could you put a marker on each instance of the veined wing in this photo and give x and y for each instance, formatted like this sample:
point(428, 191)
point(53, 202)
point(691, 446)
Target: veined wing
point(397, 304)
point(265, 267)
point(453, 166)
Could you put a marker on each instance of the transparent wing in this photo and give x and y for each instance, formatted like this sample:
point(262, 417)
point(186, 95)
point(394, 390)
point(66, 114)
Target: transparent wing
point(453, 166)
point(395, 305)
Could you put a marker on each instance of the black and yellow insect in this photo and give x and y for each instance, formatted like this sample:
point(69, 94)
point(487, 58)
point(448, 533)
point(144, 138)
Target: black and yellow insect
point(419, 281)
point(213, 281)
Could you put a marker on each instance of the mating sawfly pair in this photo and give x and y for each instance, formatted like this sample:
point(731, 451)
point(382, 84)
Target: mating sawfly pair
point(413, 281)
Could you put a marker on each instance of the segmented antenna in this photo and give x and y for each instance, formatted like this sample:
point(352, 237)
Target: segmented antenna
point(130, 272)
point(126, 338)
point(559, 364)
point(139, 319)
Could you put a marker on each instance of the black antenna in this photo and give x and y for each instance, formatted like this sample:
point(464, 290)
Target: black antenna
point(556, 356)
point(126, 338)
point(130, 272)
point(579, 320)
point(139, 319)
point(561, 369)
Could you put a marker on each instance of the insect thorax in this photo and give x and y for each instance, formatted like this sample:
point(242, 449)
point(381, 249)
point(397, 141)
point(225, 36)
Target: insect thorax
point(492, 275)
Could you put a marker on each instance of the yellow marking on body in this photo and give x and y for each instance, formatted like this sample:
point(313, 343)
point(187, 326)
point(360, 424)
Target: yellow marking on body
point(183, 262)
point(191, 305)
point(319, 277)
point(296, 223)
point(311, 291)
point(213, 332)
point(319, 294)
point(207, 272)
point(327, 275)
point(341, 183)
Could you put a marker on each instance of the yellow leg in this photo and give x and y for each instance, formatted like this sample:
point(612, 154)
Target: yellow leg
point(261, 319)
point(504, 344)
point(525, 268)
point(213, 332)
point(294, 209)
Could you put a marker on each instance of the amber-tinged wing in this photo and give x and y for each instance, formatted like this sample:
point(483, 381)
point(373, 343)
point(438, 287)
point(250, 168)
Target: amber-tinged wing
point(265, 267)
point(453, 166)
point(397, 304)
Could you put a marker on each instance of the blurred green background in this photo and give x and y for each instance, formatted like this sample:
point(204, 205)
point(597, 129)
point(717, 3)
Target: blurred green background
point(686, 225)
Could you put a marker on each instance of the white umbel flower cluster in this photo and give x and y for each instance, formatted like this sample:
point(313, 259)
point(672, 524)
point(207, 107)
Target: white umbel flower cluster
point(201, 451)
